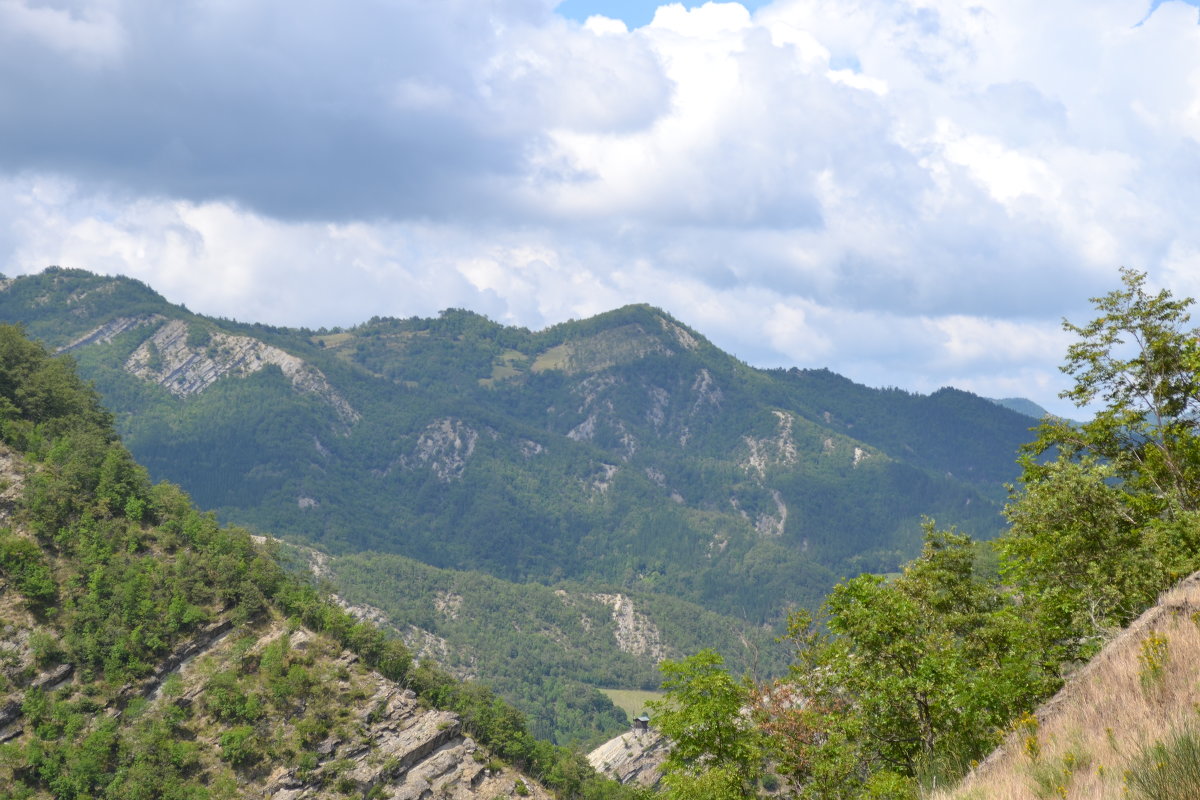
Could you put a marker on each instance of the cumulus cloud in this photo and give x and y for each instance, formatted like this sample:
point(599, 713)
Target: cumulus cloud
point(913, 193)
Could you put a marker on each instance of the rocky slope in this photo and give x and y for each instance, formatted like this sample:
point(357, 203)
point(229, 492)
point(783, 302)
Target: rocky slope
point(347, 728)
point(634, 757)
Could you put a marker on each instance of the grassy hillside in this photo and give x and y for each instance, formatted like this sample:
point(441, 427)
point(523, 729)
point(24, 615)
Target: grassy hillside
point(1124, 726)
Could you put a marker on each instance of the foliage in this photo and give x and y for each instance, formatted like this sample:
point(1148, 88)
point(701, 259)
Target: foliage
point(136, 572)
point(1098, 531)
point(907, 680)
point(1168, 769)
point(21, 561)
point(716, 751)
point(552, 647)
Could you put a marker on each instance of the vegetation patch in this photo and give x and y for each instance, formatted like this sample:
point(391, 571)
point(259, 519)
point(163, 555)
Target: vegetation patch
point(634, 702)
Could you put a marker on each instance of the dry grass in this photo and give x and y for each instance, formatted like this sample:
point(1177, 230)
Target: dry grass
point(555, 358)
point(1087, 736)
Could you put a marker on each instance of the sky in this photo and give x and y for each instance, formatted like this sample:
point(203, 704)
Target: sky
point(912, 193)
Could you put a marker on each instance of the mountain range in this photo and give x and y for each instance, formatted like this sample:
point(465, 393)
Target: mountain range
point(618, 467)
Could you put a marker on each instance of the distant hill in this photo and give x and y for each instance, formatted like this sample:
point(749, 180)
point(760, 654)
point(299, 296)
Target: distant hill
point(1022, 406)
point(624, 453)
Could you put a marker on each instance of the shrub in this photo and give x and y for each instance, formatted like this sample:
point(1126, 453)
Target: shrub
point(1168, 770)
point(238, 746)
point(1153, 659)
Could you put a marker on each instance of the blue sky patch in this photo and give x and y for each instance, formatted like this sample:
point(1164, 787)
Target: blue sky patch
point(634, 13)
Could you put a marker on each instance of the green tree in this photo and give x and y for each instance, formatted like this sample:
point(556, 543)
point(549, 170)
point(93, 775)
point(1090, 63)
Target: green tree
point(907, 679)
point(716, 749)
point(1106, 515)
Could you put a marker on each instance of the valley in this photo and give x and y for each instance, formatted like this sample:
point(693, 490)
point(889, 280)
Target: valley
point(620, 457)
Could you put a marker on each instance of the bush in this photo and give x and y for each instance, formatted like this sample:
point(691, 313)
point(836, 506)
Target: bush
point(22, 561)
point(1168, 770)
point(238, 746)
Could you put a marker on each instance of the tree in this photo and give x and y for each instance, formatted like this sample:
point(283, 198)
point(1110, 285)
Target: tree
point(716, 749)
point(1106, 516)
point(1141, 359)
point(907, 680)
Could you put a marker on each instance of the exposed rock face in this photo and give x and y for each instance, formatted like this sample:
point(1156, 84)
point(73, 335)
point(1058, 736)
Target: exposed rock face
point(706, 390)
point(403, 752)
point(448, 603)
point(779, 450)
point(636, 634)
point(656, 415)
point(601, 411)
point(111, 329)
point(444, 446)
point(391, 744)
point(12, 482)
point(604, 479)
point(184, 369)
point(685, 339)
point(634, 757)
point(773, 525)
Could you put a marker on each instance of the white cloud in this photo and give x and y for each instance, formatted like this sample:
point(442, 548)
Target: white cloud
point(91, 34)
point(911, 192)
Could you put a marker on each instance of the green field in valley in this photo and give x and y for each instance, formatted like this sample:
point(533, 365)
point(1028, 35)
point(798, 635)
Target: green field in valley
point(631, 701)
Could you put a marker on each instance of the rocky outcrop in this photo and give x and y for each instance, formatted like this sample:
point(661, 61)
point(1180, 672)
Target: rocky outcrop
point(12, 482)
point(635, 633)
point(444, 446)
point(403, 751)
point(778, 450)
point(181, 364)
point(685, 339)
point(112, 329)
point(635, 757)
point(389, 744)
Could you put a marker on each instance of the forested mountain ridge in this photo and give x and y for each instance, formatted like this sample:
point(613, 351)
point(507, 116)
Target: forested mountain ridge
point(147, 652)
point(624, 455)
point(625, 448)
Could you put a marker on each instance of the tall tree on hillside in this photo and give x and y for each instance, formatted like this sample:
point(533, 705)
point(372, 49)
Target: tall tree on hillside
point(907, 680)
point(1108, 522)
